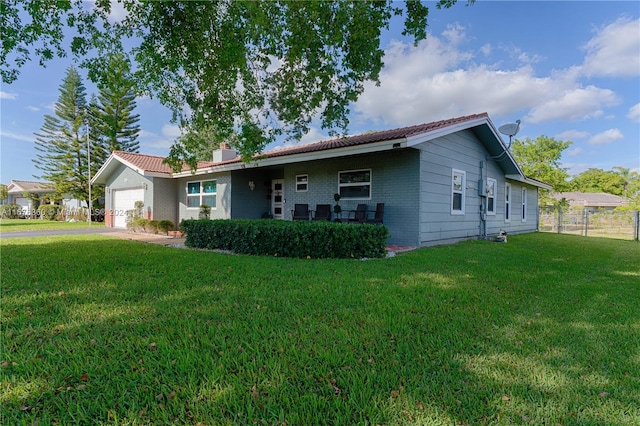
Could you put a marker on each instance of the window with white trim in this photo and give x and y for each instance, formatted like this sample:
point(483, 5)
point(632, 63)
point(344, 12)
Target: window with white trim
point(458, 190)
point(492, 185)
point(524, 204)
point(203, 192)
point(355, 184)
point(302, 183)
point(507, 202)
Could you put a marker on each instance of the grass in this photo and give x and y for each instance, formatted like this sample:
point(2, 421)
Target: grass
point(24, 225)
point(542, 330)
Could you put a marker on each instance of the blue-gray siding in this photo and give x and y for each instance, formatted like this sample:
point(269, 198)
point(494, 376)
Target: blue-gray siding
point(463, 151)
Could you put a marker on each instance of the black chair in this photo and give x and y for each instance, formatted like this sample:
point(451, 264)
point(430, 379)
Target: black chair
point(378, 215)
point(322, 212)
point(300, 212)
point(359, 214)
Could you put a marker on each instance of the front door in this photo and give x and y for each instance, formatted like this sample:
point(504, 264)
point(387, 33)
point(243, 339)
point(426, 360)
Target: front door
point(277, 198)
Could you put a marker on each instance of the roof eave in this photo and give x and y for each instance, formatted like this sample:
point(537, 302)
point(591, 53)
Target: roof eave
point(301, 157)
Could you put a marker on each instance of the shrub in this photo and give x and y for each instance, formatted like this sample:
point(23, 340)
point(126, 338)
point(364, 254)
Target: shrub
point(205, 212)
point(10, 211)
point(288, 239)
point(151, 226)
point(48, 211)
point(165, 226)
point(138, 224)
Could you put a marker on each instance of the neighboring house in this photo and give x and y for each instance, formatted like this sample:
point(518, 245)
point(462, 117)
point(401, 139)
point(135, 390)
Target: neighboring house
point(591, 200)
point(16, 190)
point(441, 182)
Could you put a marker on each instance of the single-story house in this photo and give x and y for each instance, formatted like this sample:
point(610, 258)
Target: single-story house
point(441, 182)
point(17, 191)
point(591, 200)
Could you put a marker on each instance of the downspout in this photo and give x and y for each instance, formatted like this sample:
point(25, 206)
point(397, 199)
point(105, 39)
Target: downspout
point(483, 204)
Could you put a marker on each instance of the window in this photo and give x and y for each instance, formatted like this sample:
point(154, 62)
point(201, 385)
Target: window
point(491, 196)
point(458, 189)
point(355, 184)
point(302, 183)
point(524, 204)
point(507, 202)
point(199, 193)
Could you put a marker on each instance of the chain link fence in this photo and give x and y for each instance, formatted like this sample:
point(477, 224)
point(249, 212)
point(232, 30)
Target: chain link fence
point(592, 223)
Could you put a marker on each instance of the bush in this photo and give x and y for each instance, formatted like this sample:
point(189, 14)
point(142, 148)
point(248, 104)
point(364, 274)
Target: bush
point(205, 212)
point(11, 211)
point(165, 226)
point(152, 226)
point(138, 224)
point(48, 211)
point(288, 239)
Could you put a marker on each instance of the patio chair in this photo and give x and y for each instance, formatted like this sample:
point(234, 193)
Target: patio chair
point(300, 212)
point(322, 212)
point(378, 215)
point(359, 215)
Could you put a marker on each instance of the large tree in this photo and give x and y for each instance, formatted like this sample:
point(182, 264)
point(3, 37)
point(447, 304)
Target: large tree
point(598, 180)
point(255, 68)
point(62, 141)
point(540, 159)
point(114, 125)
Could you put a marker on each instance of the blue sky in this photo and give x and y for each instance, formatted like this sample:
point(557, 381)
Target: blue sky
point(569, 70)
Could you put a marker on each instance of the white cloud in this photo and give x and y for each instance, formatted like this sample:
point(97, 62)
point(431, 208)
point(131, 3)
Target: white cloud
point(171, 130)
point(614, 50)
point(606, 137)
point(574, 152)
point(33, 108)
point(162, 142)
point(437, 80)
point(634, 113)
point(572, 135)
point(16, 136)
point(573, 104)
point(8, 96)
point(314, 135)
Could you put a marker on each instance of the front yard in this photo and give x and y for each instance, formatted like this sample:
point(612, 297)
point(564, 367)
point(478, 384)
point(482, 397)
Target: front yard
point(542, 330)
point(26, 225)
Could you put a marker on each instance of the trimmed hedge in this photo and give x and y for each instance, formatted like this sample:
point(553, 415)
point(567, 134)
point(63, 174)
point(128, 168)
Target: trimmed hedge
point(287, 238)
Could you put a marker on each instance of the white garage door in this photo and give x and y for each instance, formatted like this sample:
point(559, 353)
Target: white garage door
point(123, 201)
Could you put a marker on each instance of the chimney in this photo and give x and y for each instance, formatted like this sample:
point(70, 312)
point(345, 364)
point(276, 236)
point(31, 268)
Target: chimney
point(224, 153)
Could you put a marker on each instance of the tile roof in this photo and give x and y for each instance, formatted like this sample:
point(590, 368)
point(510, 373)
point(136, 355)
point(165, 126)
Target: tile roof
point(371, 137)
point(153, 163)
point(27, 185)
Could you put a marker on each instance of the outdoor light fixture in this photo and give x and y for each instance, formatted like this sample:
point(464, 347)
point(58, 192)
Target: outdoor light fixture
point(252, 185)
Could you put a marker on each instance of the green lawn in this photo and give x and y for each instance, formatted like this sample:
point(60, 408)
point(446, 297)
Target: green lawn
point(23, 225)
point(542, 330)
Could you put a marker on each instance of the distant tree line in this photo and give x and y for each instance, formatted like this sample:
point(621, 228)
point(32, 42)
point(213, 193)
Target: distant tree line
point(540, 159)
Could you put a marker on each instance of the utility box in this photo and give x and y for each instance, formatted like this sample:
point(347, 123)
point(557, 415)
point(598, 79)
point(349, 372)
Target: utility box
point(482, 188)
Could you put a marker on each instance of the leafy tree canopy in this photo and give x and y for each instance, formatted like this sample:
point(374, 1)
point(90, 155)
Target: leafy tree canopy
point(598, 180)
point(258, 69)
point(540, 159)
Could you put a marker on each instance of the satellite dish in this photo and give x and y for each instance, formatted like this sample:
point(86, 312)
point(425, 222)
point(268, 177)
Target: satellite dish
point(510, 129)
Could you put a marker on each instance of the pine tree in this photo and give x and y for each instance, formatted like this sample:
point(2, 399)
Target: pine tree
point(62, 142)
point(116, 126)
